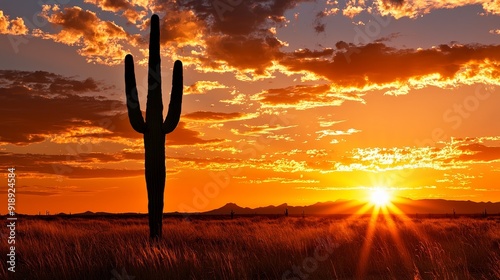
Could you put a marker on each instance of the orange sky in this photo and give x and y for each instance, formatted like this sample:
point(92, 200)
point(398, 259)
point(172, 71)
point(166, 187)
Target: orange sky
point(284, 101)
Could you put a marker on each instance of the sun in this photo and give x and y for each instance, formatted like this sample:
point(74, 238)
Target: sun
point(380, 197)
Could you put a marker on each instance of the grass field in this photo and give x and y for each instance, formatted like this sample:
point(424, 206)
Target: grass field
point(257, 248)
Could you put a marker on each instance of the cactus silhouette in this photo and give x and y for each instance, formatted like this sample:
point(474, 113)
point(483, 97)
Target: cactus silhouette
point(154, 128)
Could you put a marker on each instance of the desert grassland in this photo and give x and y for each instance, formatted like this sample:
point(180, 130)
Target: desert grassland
point(257, 248)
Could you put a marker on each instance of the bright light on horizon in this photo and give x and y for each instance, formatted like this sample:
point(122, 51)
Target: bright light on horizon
point(380, 197)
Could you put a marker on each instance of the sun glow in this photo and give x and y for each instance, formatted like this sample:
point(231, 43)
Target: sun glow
point(380, 197)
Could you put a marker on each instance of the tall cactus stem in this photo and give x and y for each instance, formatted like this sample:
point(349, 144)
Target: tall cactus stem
point(154, 128)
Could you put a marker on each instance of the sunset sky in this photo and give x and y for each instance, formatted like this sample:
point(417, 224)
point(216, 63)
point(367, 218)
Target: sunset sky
point(284, 101)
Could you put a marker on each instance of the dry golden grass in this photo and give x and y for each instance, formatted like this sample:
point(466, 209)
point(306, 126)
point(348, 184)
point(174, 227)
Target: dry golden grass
point(256, 248)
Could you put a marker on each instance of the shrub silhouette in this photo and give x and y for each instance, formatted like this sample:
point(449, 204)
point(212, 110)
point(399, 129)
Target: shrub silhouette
point(154, 128)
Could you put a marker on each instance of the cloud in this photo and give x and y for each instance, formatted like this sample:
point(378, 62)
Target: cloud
point(299, 97)
point(377, 66)
point(42, 104)
point(240, 40)
point(281, 180)
point(246, 17)
point(201, 163)
point(416, 8)
point(201, 87)
point(353, 8)
point(457, 154)
point(12, 27)
point(310, 54)
point(329, 123)
point(206, 116)
point(39, 190)
point(42, 83)
point(81, 114)
point(99, 41)
point(129, 8)
point(318, 24)
point(388, 38)
point(254, 53)
point(104, 42)
point(237, 24)
point(259, 129)
point(184, 136)
point(180, 28)
point(479, 153)
point(69, 166)
point(330, 132)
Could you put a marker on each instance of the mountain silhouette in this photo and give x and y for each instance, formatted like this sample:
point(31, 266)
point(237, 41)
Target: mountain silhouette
point(405, 205)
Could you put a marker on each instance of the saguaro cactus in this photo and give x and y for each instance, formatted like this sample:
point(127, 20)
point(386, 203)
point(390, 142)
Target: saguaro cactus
point(154, 128)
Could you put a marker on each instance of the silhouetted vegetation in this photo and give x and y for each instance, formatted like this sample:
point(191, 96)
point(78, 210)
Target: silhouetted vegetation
point(154, 128)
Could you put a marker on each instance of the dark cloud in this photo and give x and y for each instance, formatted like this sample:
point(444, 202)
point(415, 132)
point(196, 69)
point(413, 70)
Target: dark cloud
point(133, 11)
point(318, 24)
point(295, 94)
point(42, 103)
point(183, 136)
point(70, 166)
point(388, 38)
point(240, 35)
point(307, 53)
point(242, 52)
point(320, 27)
point(378, 64)
point(245, 18)
point(214, 116)
point(44, 82)
point(394, 2)
point(479, 152)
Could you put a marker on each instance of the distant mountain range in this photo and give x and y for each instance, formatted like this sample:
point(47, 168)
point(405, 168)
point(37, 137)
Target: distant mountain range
point(405, 205)
point(342, 207)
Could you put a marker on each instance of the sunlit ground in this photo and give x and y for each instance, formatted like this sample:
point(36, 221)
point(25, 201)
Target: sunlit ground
point(259, 248)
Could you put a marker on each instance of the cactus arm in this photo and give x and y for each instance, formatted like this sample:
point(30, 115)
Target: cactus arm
point(133, 106)
point(175, 105)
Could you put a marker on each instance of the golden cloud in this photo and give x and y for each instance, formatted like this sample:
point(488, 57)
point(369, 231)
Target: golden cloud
point(353, 8)
point(200, 87)
point(416, 8)
point(455, 154)
point(330, 132)
point(99, 41)
point(12, 27)
point(259, 129)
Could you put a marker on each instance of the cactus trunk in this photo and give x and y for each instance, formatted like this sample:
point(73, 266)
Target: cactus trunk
point(154, 146)
point(154, 128)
